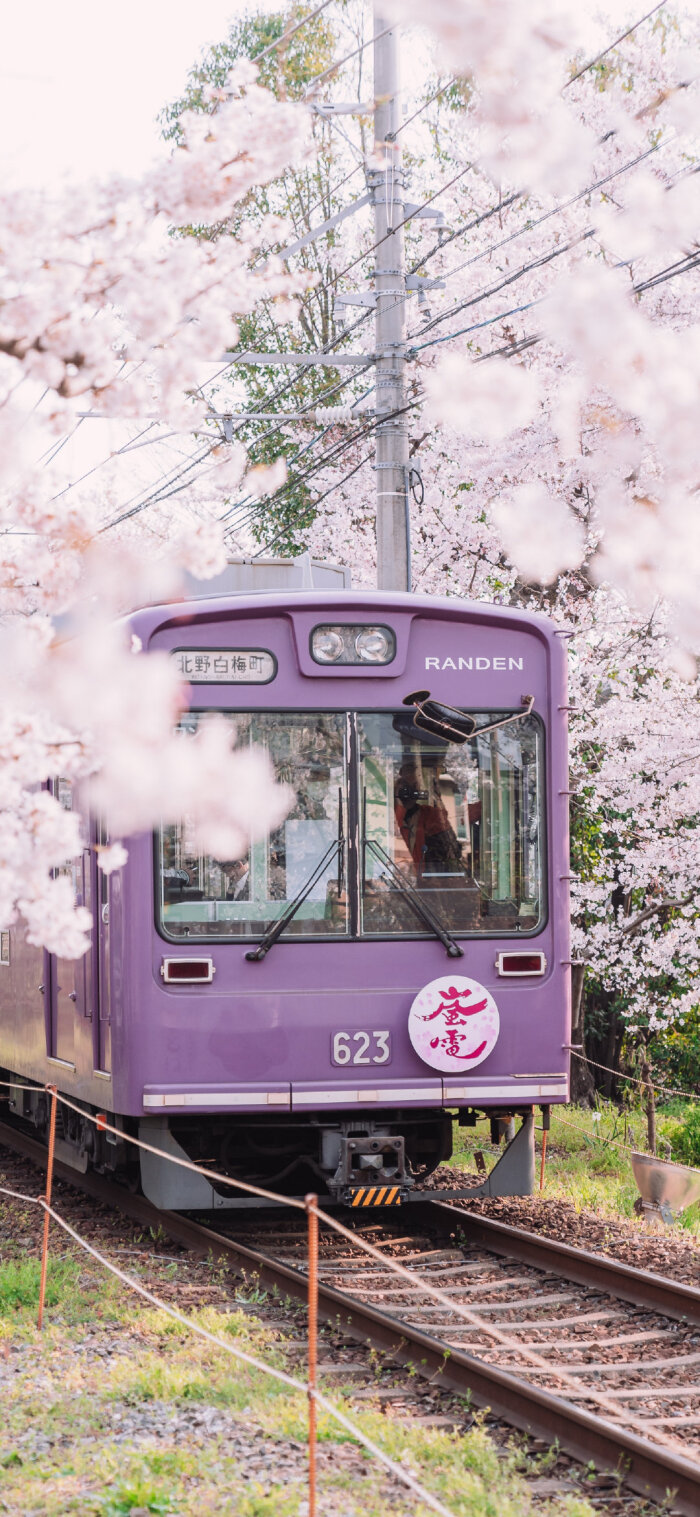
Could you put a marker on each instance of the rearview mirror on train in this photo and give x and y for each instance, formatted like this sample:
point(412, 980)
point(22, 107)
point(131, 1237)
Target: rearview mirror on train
point(444, 721)
point(452, 725)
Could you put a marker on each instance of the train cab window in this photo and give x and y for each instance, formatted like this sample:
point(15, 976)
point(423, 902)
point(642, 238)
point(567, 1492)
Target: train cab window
point(460, 827)
point(202, 896)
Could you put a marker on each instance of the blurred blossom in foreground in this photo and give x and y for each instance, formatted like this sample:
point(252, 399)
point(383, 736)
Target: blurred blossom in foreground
point(539, 534)
point(481, 400)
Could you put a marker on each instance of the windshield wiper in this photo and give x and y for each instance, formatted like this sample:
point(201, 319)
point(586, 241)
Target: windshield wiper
point(274, 932)
point(416, 900)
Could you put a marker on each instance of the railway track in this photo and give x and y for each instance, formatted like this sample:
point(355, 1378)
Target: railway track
point(568, 1346)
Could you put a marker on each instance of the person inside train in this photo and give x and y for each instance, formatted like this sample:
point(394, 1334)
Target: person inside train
point(423, 821)
point(236, 874)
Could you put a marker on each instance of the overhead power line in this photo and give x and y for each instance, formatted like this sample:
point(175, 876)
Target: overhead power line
point(291, 32)
point(475, 326)
point(333, 67)
point(526, 268)
point(682, 266)
point(592, 62)
point(424, 106)
point(401, 224)
point(530, 226)
point(337, 486)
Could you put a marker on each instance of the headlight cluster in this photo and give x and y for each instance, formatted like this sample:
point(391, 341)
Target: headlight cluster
point(352, 645)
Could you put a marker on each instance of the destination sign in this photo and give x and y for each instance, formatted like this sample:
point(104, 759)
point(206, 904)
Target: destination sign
point(225, 666)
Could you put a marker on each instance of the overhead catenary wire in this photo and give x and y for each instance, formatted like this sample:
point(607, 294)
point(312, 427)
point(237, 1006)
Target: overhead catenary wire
point(168, 486)
point(241, 505)
point(485, 252)
point(155, 493)
point(249, 506)
point(423, 205)
point(424, 106)
point(520, 231)
point(328, 459)
point(556, 210)
point(510, 351)
point(279, 43)
point(663, 275)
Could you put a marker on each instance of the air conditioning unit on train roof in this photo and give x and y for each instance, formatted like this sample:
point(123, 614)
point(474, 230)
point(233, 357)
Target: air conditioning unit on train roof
point(256, 576)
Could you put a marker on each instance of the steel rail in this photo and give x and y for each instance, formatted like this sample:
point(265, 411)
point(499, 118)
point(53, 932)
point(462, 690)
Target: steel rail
point(653, 1471)
point(640, 1286)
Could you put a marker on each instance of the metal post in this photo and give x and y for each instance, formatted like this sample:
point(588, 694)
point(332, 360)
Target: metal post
point(391, 457)
point(312, 1215)
point(546, 1117)
point(49, 1186)
point(650, 1106)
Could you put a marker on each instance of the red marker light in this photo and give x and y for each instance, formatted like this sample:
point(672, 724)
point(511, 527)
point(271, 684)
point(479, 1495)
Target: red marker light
point(521, 964)
point(187, 971)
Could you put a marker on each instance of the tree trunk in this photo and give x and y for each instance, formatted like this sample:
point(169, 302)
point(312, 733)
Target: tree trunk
point(582, 1082)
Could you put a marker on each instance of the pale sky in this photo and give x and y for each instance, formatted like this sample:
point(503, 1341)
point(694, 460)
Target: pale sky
point(81, 81)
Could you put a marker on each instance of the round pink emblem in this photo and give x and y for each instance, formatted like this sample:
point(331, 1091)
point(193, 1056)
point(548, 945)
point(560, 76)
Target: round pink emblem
point(453, 1023)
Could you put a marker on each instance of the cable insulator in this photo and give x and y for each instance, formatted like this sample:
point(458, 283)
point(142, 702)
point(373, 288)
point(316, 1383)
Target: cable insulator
point(328, 416)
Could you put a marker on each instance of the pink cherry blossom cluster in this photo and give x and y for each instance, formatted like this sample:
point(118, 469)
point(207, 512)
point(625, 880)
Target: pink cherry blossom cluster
point(622, 349)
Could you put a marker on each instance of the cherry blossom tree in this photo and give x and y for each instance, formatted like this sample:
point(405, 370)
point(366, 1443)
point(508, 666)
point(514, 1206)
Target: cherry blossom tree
point(104, 307)
point(554, 385)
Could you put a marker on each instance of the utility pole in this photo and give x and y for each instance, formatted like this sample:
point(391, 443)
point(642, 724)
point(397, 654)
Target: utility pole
point(391, 458)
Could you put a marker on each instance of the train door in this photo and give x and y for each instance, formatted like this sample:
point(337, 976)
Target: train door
point(103, 1030)
point(63, 974)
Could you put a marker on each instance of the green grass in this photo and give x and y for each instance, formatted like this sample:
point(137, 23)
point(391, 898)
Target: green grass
point(79, 1400)
point(19, 1283)
point(74, 1401)
point(74, 1295)
point(584, 1165)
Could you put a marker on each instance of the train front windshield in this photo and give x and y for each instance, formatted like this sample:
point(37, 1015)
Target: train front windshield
point(458, 828)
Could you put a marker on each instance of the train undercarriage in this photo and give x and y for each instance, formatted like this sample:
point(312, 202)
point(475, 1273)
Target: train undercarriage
point(350, 1159)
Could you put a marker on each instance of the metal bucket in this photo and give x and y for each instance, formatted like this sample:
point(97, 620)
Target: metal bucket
point(665, 1189)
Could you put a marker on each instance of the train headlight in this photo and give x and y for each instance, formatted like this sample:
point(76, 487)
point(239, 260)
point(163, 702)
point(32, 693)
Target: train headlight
point(355, 644)
point(327, 645)
point(374, 645)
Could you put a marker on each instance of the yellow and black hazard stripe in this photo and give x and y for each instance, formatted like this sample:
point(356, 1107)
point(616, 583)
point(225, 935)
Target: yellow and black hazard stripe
point(376, 1195)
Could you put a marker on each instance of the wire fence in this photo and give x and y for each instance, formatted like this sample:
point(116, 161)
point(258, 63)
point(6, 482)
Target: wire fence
point(534, 1363)
point(664, 1090)
point(316, 1398)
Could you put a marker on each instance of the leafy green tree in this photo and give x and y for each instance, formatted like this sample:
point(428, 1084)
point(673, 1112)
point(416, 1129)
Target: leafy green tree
point(304, 197)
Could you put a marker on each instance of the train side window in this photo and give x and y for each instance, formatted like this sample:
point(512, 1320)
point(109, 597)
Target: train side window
point(63, 791)
point(102, 841)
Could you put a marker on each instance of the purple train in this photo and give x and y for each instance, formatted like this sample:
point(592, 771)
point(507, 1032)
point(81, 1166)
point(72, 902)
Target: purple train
point(391, 958)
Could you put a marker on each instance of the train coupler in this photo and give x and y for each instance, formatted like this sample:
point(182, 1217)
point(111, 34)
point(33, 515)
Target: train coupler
point(370, 1170)
point(374, 1195)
